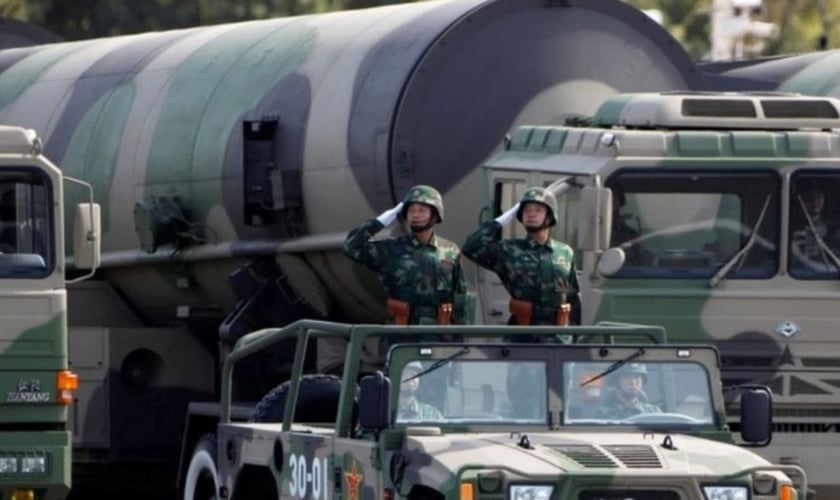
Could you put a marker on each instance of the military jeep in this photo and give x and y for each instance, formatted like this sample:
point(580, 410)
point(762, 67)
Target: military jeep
point(490, 417)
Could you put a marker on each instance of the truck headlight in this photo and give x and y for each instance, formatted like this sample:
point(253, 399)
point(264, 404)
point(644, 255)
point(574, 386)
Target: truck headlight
point(8, 465)
point(33, 465)
point(725, 492)
point(530, 492)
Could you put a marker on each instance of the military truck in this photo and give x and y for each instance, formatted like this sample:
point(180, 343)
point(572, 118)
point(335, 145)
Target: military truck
point(713, 215)
point(36, 384)
point(509, 420)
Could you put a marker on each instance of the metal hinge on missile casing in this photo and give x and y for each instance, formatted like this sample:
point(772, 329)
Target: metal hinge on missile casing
point(160, 220)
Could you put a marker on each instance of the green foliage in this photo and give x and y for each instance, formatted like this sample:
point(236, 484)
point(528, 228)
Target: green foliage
point(804, 25)
point(81, 19)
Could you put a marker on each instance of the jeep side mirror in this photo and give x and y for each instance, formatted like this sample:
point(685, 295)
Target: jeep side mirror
point(374, 391)
point(756, 415)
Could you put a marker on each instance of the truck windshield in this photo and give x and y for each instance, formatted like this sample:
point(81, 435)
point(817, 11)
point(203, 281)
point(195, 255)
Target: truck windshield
point(815, 226)
point(650, 393)
point(689, 224)
point(25, 250)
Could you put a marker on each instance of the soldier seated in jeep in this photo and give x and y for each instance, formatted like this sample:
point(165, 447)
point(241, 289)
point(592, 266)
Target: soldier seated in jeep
point(410, 408)
point(628, 398)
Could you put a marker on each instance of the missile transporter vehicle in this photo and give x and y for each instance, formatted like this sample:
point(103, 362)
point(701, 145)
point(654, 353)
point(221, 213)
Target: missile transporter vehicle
point(231, 160)
point(500, 416)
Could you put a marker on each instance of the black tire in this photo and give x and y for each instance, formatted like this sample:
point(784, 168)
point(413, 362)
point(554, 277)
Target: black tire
point(317, 400)
point(202, 478)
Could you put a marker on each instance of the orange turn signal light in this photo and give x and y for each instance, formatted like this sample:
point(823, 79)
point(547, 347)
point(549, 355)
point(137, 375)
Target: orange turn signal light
point(66, 383)
point(467, 491)
point(786, 492)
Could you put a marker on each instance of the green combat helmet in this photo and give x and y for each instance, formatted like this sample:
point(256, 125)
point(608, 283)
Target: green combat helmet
point(634, 369)
point(426, 195)
point(542, 196)
point(414, 367)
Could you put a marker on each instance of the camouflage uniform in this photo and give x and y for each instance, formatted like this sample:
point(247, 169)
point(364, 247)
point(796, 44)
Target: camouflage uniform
point(423, 275)
point(541, 274)
point(415, 410)
point(615, 409)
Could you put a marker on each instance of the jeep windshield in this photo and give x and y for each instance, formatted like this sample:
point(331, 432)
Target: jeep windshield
point(477, 391)
point(638, 393)
point(542, 385)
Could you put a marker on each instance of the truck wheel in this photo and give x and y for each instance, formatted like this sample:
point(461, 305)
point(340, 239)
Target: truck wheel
point(317, 400)
point(202, 480)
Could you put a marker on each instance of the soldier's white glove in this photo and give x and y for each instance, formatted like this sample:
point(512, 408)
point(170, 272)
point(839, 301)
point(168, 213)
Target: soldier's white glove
point(508, 216)
point(390, 215)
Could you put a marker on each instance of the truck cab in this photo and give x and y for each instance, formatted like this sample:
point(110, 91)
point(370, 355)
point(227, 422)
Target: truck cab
point(715, 216)
point(36, 384)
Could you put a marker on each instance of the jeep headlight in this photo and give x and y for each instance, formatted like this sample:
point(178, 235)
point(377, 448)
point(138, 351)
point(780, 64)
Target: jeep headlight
point(530, 492)
point(725, 492)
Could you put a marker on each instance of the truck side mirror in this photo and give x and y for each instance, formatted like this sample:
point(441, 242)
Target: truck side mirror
point(374, 391)
point(756, 415)
point(87, 236)
point(595, 218)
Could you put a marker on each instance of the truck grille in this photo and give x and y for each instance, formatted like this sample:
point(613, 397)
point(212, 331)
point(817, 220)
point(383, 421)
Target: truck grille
point(611, 456)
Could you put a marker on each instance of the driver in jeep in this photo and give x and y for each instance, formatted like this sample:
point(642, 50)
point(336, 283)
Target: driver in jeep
point(628, 398)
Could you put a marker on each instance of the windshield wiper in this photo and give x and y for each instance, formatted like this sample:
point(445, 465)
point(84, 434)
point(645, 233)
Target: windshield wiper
point(615, 366)
point(742, 253)
point(437, 364)
point(823, 246)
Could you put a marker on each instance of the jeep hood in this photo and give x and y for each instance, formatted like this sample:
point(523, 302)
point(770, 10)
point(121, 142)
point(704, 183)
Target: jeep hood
point(584, 453)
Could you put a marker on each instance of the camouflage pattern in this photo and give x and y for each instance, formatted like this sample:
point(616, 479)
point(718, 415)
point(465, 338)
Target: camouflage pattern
point(769, 311)
point(543, 197)
point(541, 274)
point(614, 409)
point(161, 120)
point(426, 195)
point(231, 160)
point(446, 457)
point(424, 275)
point(417, 410)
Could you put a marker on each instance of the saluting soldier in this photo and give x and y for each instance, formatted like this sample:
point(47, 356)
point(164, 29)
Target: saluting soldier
point(421, 271)
point(537, 271)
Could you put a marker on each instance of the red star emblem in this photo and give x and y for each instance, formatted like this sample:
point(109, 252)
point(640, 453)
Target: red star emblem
point(354, 480)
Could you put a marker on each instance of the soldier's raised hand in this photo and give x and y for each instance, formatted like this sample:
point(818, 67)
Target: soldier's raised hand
point(390, 215)
point(507, 216)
